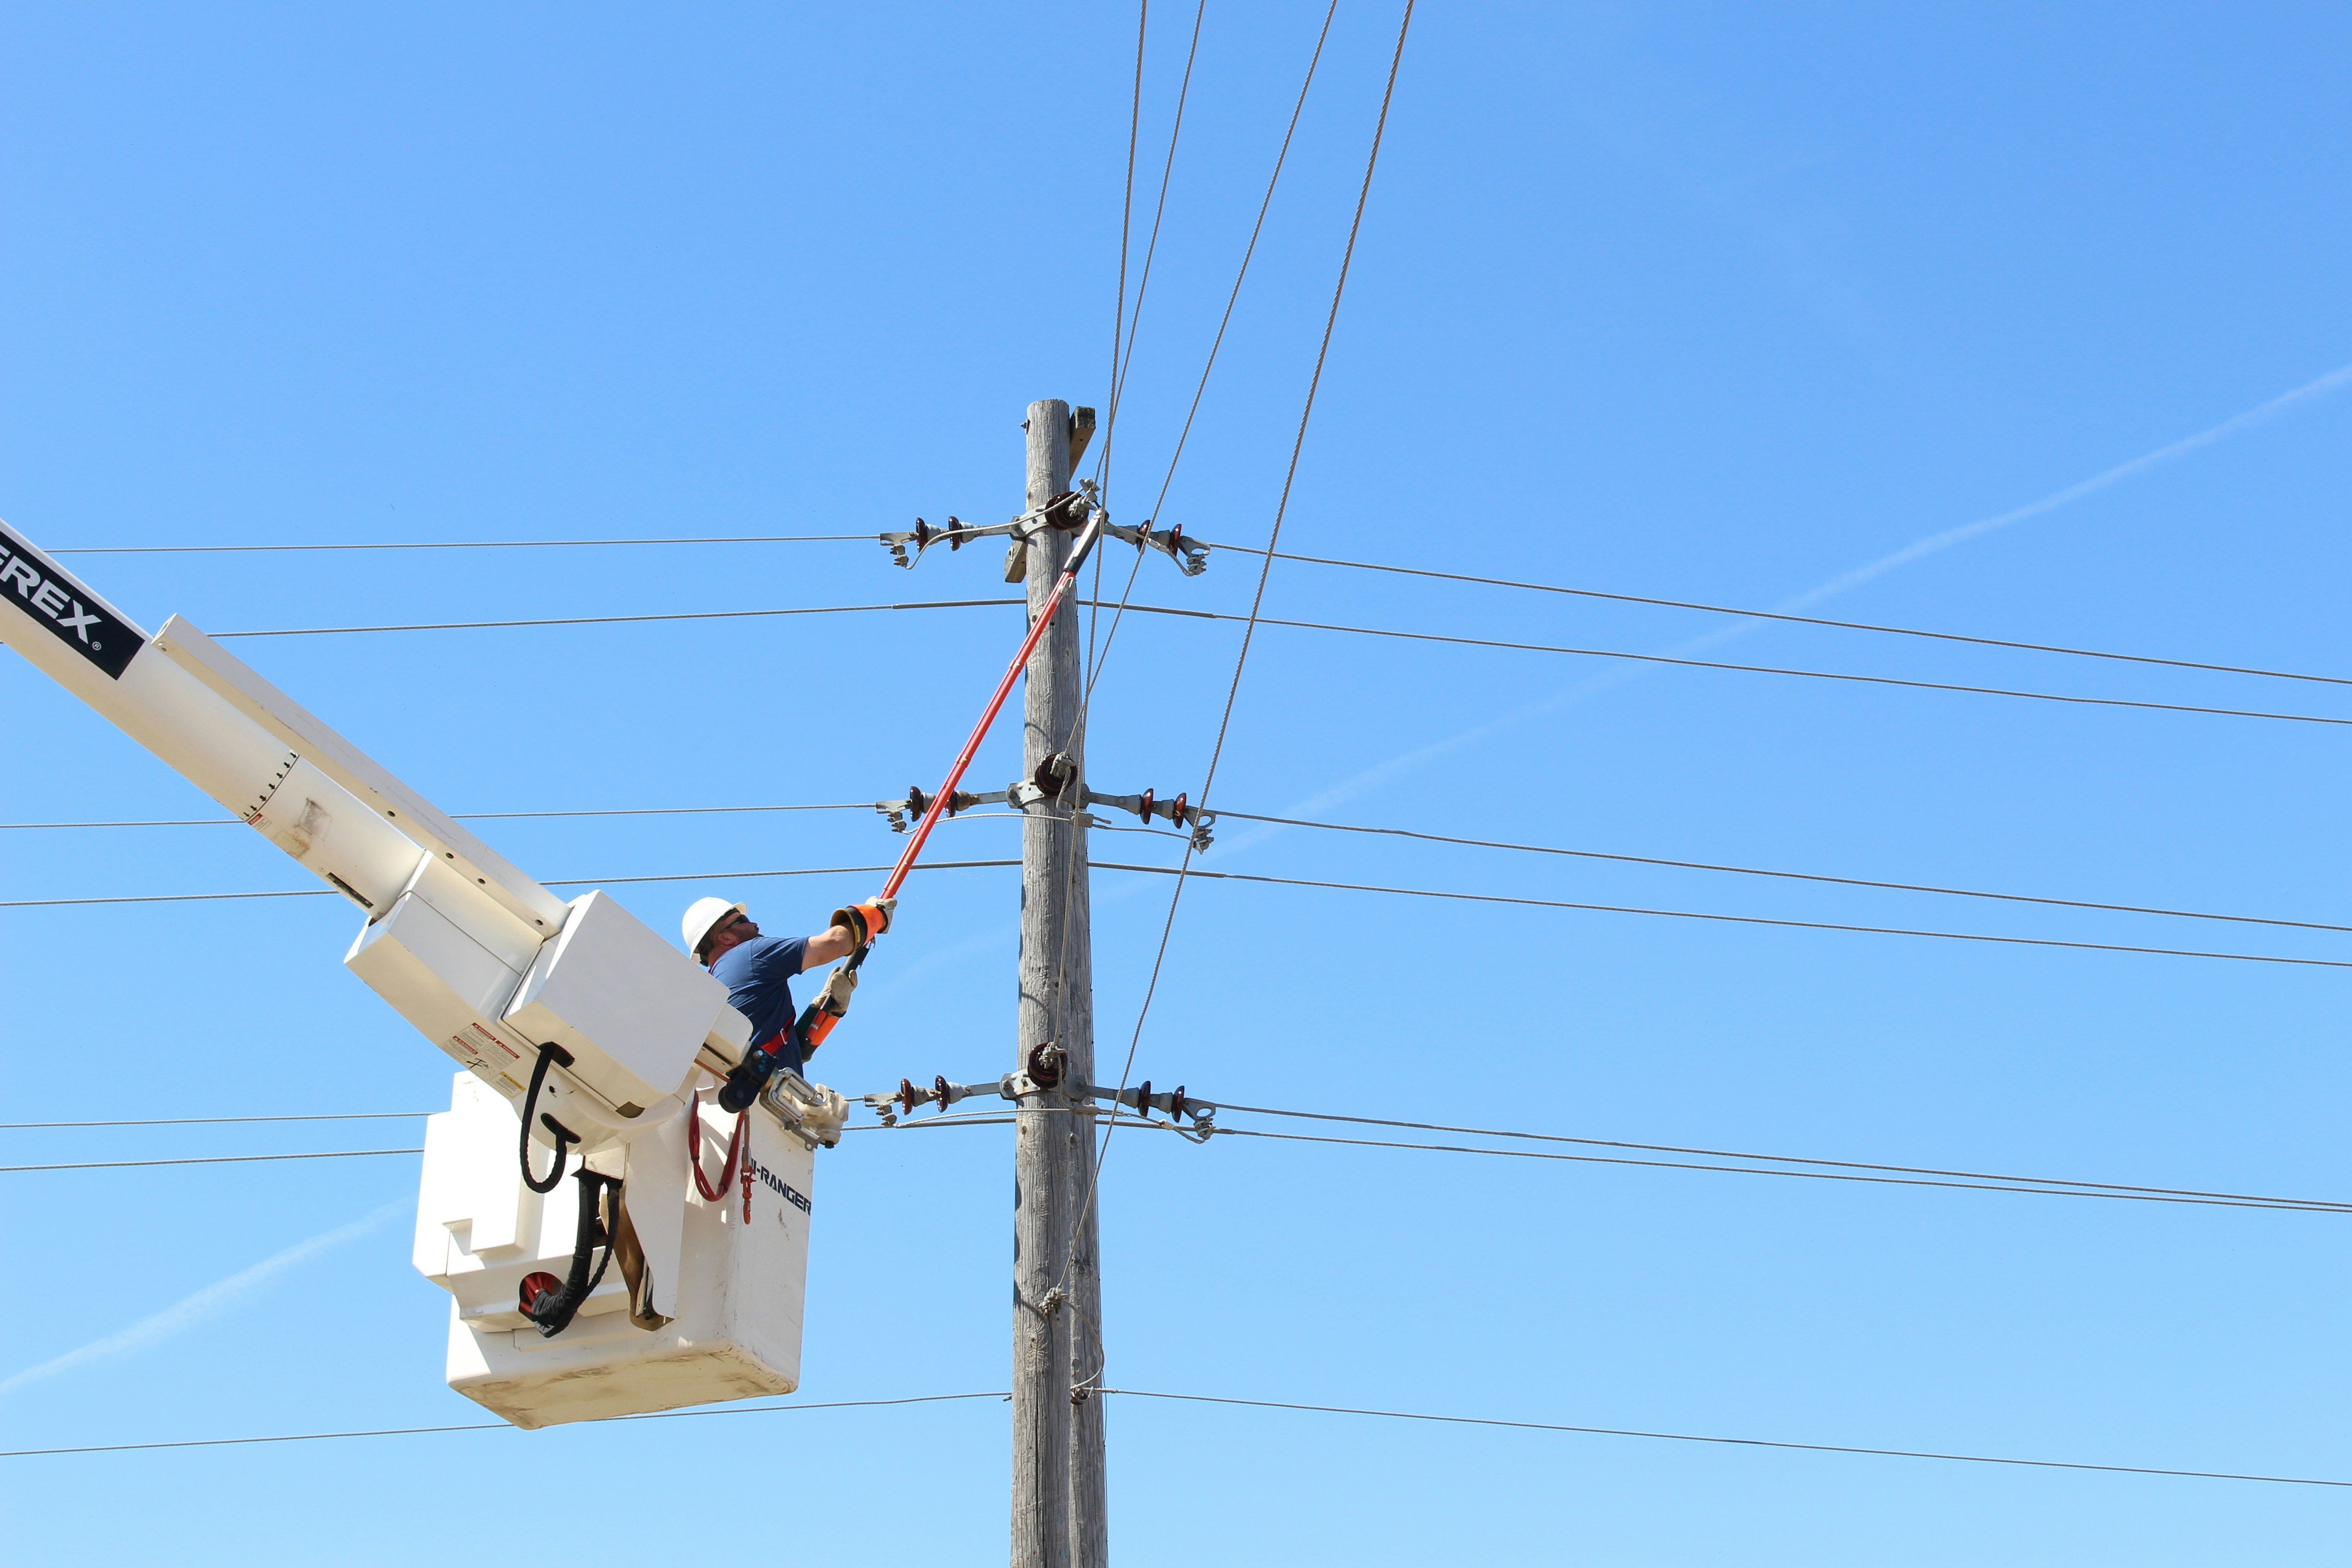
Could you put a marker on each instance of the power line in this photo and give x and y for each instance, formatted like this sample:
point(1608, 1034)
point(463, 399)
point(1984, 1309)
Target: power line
point(1283, 882)
point(222, 1120)
point(618, 620)
point(461, 544)
point(2054, 1182)
point(210, 1159)
point(1734, 920)
point(486, 1426)
point(1202, 387)
point(1737, 1442)
point(1791, 876)
point(1101, 826)
point(2289, 1205)
point(1254, 620)
point(1203, 1399)
point(1258, 601)
point(1122, 358)
point(558, 882)
point(1237, 549)
point(471, 816)
point(1808, 674)
point(1801, 620)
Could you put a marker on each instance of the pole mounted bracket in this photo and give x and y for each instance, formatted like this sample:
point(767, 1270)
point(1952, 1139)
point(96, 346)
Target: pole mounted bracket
point(1065, 513)
point(1050, 784)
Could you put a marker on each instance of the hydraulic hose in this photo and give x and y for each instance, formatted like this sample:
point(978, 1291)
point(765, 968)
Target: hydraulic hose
point(565, 1137)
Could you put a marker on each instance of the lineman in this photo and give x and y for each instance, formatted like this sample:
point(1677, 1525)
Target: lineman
point(758, 970)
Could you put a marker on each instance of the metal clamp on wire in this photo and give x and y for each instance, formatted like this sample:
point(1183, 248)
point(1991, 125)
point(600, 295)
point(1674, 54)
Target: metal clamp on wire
point(916, 803)
point(1179, 811)
point(565, 1139)
point(1191, 556)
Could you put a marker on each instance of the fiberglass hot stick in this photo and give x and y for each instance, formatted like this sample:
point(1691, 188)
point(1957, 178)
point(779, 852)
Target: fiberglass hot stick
point(817, 1028)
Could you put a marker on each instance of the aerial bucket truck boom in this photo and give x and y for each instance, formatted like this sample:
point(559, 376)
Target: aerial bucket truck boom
point(614, 1026)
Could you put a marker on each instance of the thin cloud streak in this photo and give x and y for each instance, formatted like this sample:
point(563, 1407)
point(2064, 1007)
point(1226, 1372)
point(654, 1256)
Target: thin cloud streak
point(1593, 685)
point(203, 1305)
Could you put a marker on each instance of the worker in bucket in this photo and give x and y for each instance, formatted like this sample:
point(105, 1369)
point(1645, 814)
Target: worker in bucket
point(757, 972)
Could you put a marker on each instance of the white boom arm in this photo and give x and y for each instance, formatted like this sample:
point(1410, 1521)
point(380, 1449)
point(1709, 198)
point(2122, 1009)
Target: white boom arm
point(487, 964)
point(518, 987)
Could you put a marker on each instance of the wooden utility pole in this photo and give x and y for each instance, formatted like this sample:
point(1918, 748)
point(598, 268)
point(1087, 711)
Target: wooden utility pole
point(1057, 1445)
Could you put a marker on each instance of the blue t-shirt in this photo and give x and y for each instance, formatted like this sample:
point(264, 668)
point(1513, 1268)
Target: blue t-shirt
point(758, 976)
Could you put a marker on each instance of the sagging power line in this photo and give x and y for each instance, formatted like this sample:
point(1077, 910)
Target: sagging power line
point(1254, 620)
point(1295, 882)
point(1098, 826)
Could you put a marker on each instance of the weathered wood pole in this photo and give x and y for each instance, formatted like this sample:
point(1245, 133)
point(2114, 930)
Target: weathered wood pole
point(1057, 1448)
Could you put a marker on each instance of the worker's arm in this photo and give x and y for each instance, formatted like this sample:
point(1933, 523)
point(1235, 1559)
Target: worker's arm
point(857, 923)
point(836, 942)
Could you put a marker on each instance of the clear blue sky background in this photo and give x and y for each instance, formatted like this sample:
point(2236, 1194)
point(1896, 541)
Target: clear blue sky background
point(1694, 301)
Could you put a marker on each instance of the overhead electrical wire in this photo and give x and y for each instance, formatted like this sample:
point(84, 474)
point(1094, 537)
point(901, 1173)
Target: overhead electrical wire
point(1121, 358)
point(1649, 599)
point(1783, 670)
point(555, 882)
point(617, 620)
point(1790, 876)
point(1841, 1170)
point(210, 1159)
point(1736, 919)
point(1101, 826)
point(1798, 620)
point(489, 1425)
point(2037, 1182)
point(1274, 538)
point(2173, 1473)
point(1096, 656)
point(1737, 1442)
point(1283, 882)
point(222, 1120)
point(474, 816)
point(1255, 619)
point(2285, 1205)
point(461, 544)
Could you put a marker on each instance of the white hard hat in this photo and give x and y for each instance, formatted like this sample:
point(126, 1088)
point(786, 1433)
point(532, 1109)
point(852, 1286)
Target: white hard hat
point(702, 917)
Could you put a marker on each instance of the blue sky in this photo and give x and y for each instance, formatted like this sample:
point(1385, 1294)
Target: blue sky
point(1690, 302)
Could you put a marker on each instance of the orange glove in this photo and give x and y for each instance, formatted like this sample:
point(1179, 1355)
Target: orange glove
point(867, 921)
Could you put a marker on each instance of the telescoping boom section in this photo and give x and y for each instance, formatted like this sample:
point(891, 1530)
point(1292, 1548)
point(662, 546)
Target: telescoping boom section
point(594, 1267)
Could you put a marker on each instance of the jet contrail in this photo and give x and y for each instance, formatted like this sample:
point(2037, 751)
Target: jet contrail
point(2052, 503)
point(1592, 685)
point(209, 1302)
